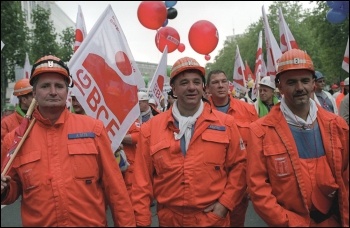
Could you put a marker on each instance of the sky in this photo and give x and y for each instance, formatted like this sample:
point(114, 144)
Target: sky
point(225, 15)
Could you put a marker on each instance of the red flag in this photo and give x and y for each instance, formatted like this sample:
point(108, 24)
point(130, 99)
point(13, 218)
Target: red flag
point(258, 68)
point(239, 82)
point(272, 49)
point(106, 77)
point(248, 74)
point(345, 64)
point(80, 29)
point(157, 83)
point(287, 41)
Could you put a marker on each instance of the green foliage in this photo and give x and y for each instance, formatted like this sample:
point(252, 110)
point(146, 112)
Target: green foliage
point(14, 34)
point(66, 49)
point(43, 40)
point(324, 42)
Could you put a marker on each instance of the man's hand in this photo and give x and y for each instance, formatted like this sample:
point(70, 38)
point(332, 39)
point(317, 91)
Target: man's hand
point(4, 182)
point(218, 209)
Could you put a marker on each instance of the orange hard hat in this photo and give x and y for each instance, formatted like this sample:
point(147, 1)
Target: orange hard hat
point(49, 63)
point(294, 59)
point(22, 87)
point(185, 63)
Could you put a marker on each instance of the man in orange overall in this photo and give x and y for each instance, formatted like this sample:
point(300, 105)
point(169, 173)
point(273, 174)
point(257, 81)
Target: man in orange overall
point(190, 159)
point(65, 170)
point(298, 160)
point(244, 114)
point(23, 91)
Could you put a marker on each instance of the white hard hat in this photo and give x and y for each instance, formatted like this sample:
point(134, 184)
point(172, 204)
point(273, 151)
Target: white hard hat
point(266, 81)
point(346, 81)
point(142, 96)
point(152, 101)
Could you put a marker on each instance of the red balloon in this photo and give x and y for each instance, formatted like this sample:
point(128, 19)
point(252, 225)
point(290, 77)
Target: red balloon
point(152, 14)
point(203, 37)
point(181, 47)
point(167, 36)
point(207, 57)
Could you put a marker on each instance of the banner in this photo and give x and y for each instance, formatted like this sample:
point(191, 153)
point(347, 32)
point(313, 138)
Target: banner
point(158, 79)
point(248, 74)
point(258, 68)
point(27, 68)
point(272, 49)
point(106, 77)
point(345, 64)
point(239, 82)
point(80, 29)
point(287, 41)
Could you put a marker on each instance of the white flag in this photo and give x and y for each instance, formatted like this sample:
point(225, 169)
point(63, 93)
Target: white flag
point(258, 68)
point(273, 52)
point(238, 74)
point(2, 45)
point(345, 64)
point(157, 83)
point(80, 29)
point(287, 41)
point(27, 68)
point(104, 74)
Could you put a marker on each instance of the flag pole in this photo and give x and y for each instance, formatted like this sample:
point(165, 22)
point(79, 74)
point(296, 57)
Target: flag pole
point(28, 115)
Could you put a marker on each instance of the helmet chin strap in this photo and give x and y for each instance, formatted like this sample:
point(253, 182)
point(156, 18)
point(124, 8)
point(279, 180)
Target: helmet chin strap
point(71, 82)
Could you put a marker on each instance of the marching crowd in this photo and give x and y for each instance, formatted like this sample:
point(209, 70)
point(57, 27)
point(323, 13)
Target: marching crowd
point(201, 157)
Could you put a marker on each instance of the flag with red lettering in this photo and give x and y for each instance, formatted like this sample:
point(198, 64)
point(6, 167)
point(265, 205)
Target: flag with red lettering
point(106, 77)
point(80, 29)
point(345, 64)
point(287, 41)
point(239, 82)
point(158, 79)
point(248, 74)
point(258, 68)
point(272, 49)
point(27, 68)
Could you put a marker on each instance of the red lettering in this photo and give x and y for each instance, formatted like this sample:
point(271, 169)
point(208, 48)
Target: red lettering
point(93, 99)
point(112, 127)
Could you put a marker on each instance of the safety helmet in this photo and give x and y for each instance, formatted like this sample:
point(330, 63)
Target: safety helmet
point(318, 75)
point(142, 96)
point(334, 86)
point(250, 83)
point(49, 63)
point(346, 81)
point(22, 87)
point(186, 63)
point(152, 101)
point(266, 81)
point(294, 59)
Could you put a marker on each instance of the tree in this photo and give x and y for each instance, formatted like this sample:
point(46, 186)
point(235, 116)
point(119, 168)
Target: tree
point(43, 39)
point(14, 33)
point(66, 48)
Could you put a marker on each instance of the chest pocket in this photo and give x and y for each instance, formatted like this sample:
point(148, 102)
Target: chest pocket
point(83, 159)
point(28, 168)
point(243, 128)
point(279, 163)
point(215, 144)
point(160, 153)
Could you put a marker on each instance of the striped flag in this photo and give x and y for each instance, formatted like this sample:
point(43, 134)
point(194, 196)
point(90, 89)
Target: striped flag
point(258, 68)
point(345, 64)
